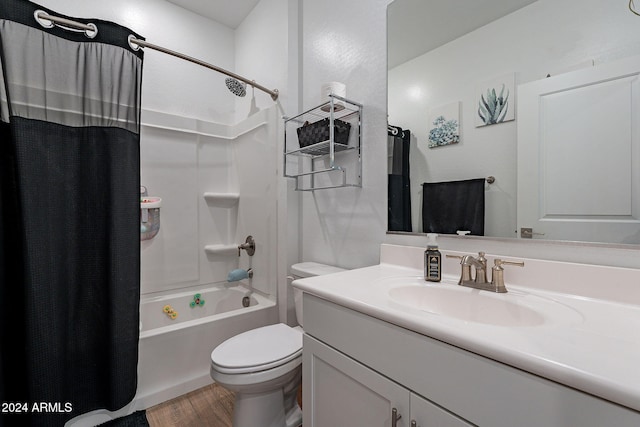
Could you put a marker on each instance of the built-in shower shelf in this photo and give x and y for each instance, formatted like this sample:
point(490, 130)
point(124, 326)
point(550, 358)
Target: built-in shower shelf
point(223, 200)
point(221, 250)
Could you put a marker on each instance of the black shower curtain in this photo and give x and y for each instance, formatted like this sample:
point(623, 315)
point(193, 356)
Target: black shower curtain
point(69, 214)
point(399, 185)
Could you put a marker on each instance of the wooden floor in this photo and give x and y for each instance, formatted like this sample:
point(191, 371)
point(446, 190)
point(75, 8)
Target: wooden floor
point(210, 406)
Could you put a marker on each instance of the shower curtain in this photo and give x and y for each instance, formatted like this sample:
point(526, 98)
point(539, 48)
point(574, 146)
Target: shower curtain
point(399, 187)
point(69, 214)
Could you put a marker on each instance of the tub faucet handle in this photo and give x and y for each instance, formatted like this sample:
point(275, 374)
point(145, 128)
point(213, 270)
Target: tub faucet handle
point(249, 245)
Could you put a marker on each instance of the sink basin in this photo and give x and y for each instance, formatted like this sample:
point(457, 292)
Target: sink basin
point(515, 308)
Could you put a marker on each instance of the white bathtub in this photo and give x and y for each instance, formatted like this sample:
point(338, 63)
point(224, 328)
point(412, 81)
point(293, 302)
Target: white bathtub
point(175, 354)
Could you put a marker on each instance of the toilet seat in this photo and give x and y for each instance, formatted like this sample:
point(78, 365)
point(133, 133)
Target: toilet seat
point(258, 350)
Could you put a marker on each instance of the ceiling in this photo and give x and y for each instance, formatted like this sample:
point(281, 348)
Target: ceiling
point(414, 26)
point(418, 26)
point(227, 12)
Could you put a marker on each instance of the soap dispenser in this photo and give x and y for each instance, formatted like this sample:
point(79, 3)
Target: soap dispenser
point(432, 260)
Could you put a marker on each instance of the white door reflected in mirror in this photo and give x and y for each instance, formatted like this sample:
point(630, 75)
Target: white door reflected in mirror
point(579, 153)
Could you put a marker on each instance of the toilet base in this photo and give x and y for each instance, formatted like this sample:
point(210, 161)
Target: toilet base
point(265, 409)
point(269, 404)
point(294, 417)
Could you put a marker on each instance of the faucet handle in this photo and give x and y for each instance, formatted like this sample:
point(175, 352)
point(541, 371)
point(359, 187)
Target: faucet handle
point(497, 273)
point(499, 262)
point(249, 245)
point(454, 256)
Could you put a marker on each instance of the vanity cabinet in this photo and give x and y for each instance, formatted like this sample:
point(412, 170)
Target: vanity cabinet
point(357, 368)
point(427, 414)
point(347, 393)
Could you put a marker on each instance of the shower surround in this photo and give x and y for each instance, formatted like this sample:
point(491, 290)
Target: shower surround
point(181, 160)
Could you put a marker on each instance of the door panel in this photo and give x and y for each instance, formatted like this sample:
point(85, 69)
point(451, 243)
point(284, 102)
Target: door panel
point(339, 392)
point(578, 154)
point(427, 414)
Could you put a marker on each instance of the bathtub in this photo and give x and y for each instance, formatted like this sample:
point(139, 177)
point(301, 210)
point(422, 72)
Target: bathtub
point(174, 351)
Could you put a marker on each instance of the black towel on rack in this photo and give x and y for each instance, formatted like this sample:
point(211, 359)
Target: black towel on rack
point(453, 205)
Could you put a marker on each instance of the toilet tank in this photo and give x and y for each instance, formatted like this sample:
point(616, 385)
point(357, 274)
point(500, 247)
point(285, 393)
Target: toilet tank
point(308, 269)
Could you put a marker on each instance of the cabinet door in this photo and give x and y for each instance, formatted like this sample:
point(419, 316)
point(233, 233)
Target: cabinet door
point(426, 414)
point(340, 392)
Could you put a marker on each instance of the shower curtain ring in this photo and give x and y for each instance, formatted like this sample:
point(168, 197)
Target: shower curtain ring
point(132, 44)
point(46, 23)
point(91, 33)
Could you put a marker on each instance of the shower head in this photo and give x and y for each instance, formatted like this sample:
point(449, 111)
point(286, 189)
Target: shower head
point(236, 87)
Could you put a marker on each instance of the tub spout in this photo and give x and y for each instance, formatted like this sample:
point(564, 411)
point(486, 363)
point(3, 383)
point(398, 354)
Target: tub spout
point(239, 274)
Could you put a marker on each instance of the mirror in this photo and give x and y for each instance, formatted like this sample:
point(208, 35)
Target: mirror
point(444, 56)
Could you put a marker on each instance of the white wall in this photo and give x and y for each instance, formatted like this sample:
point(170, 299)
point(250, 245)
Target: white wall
point(261, 54)
point(346, 41)
point(524, 42)
point(266, 43)
point(171, 85)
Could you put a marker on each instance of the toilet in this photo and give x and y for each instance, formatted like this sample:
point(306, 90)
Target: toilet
point(263, 366)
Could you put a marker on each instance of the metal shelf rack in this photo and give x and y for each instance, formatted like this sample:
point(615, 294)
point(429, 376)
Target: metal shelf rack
point(325, 164)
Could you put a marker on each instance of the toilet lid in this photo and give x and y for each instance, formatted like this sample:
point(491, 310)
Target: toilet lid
point(258, 349)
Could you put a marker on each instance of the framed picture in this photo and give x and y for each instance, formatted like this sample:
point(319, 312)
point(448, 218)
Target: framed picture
point(444, 125)
point(495, 100)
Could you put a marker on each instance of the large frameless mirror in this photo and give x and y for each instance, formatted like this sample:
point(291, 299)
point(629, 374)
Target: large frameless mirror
point(515, 93)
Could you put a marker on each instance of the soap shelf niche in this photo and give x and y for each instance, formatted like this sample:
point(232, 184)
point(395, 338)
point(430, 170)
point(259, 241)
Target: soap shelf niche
point(227, 200)
point(223, 200)
point(221, 250)
point(328, 153)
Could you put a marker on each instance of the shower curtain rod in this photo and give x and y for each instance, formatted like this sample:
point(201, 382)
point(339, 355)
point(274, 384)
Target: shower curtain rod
point(91, 30)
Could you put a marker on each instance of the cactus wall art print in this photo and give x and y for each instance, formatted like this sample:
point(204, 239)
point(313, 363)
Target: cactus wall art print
point(444, 125)
point(495, 100)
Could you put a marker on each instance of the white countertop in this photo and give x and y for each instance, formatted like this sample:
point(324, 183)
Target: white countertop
point(598, 351)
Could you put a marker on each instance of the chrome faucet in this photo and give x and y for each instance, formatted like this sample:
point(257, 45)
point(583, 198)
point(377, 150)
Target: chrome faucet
point(480, 265)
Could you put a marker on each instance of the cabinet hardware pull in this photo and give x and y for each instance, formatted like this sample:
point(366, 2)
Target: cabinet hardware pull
point(395, 417)
point(528, 233)
point(414, 423)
